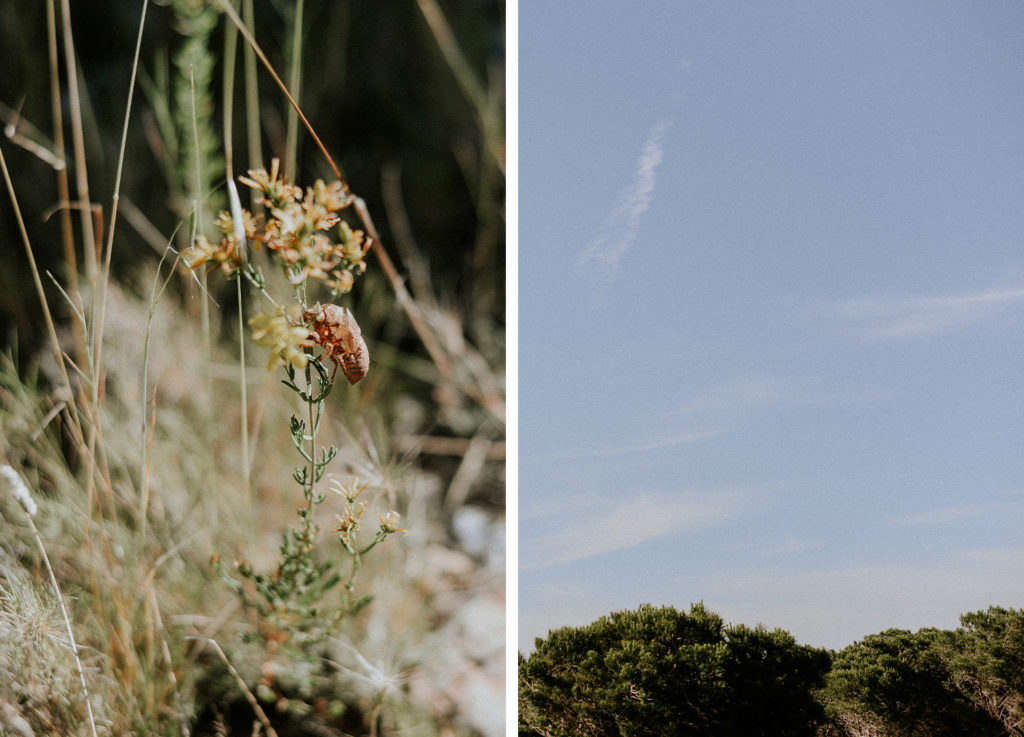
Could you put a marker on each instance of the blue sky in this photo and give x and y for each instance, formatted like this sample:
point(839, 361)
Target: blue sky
point(771, 312)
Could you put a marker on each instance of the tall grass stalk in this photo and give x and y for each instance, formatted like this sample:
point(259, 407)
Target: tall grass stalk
point(197, 216)
point(78, 142)
point(147, 436)
point(252, 99)
point(63, 190)
point(295, 85)
point(116, 198)
point(100, 319)
point(230, 53)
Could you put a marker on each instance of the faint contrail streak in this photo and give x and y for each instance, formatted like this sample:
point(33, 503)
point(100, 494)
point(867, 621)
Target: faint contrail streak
point(605, 253)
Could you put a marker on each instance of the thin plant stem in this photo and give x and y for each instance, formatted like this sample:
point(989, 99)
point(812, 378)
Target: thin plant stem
point(273, 73)
point(252, 103)
point(67, 624)
point(47, 316)
point(356, 562)
point(284, 89)
point(78, 140)
point(230, 53)
point(375, 718)
point(63, 192)
point(154, 299)
point(244, 440)
point(101, 281)
point(100, 316)
point(197, 185)
point(405, 299)
point(294, 84)
point(165, 653)
point(204, 309)
point(98, 281)
point(310, 503)
point(165, 650)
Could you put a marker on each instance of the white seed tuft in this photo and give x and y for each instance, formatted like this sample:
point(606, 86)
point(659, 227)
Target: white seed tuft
point(19, 490)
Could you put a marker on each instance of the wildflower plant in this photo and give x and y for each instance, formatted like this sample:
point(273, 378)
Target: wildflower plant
point(316, 250)
point(296, 232)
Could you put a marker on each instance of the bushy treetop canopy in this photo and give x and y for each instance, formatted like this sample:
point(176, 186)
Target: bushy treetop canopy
point(659, 671)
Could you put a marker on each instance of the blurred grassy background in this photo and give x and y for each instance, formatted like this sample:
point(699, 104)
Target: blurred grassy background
point(425, 152)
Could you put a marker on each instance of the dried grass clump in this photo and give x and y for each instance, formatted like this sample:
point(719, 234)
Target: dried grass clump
point(39, 680)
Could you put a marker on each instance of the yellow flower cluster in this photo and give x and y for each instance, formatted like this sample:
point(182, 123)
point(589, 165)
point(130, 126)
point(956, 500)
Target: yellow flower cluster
point(348, 521)
point(298, 225)
point(389, 522)
point(285, 339)
point(296, 231)
point(276, 189)
point(224, 254)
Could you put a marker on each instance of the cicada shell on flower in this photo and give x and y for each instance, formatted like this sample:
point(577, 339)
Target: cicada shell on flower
point(337, 331)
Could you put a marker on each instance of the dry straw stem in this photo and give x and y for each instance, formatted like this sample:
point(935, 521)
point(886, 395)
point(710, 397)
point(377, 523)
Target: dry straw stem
point(15, 123)
point(78, 140)
point(101, 310)
point(294, 83)
point(252, 104)
point(157, 623)
point(47, 316)
point(63, 190)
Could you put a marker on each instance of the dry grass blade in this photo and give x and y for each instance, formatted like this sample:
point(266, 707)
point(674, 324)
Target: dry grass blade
point(51, 328)
point(78, 139)
point(14, 122)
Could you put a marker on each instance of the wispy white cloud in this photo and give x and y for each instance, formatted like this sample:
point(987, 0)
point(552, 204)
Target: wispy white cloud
point(604, 254)
point(643, 445)
point(607, 525)
point(728, 400)
point(961, 512)
point(793, 546)
point(709, 414)
point(956, 513)
point(895, 317)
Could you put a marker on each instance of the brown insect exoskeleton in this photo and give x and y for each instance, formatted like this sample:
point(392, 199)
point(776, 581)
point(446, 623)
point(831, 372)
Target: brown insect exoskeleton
point(338, 332)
